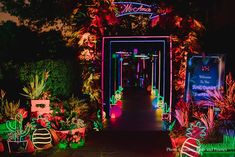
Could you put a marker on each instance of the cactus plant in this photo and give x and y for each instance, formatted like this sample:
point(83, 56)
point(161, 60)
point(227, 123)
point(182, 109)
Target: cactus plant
point(16, 131)
point(17, 143)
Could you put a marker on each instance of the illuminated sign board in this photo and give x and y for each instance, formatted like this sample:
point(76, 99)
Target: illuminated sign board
point(203, 73)
point(128, 8)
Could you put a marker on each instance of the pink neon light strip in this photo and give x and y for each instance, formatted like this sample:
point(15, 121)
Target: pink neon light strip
point(170, 77)
point(143, 37)
point(159, 72)
point(152, 73)
point(102, 79)
point(121, 72)
point(138, 67)
point(144, 64)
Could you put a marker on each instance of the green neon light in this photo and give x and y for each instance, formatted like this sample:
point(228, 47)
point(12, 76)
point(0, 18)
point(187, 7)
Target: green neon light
point(119, 91)
point(17, 131)
point(63, 145)
point(164, 106)
point(114, 98)
point(228, 144)
point(218, 154)
point(97, 124)
point(166, 109)
point(171, 126)
point(74, 145)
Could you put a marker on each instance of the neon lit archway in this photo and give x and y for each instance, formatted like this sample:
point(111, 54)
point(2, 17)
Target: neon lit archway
point(161, 67)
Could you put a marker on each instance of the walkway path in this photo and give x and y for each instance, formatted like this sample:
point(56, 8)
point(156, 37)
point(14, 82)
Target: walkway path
point(137, 114)
point(137, 133)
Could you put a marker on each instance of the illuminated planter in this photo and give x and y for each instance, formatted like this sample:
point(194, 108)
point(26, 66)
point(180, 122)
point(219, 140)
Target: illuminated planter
point(40, 106)
point(119, 103)
point(17, 146)
point(115, 111)
point(74, 131)
point(63, 144)
point(76, 145)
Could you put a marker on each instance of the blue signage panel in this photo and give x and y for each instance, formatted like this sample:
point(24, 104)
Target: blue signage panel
point(203, 73)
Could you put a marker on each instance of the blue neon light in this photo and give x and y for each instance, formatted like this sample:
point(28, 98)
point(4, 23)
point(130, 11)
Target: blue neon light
point(136, 41)
point(198, 80)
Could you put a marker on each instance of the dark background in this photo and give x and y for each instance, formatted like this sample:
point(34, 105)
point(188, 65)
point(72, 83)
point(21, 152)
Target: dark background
point(220, 30)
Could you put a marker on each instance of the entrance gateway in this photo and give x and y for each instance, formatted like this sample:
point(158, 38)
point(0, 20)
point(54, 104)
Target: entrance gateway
point(153, 69)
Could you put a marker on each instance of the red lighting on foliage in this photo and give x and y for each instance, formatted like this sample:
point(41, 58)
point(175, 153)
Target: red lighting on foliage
point(30, 147)
point(23, 112)
point(1, 145)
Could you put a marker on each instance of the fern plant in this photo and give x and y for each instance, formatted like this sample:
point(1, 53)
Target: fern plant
point(35, 87)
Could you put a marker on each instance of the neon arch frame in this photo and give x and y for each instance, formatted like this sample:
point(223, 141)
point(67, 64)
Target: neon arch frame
point(106, 73)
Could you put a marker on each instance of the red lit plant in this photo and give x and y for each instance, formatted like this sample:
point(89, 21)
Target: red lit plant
point(177, 134)
point(225, 99)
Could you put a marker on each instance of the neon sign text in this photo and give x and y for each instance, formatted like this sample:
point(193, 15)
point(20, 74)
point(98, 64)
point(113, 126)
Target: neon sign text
point(127, 8)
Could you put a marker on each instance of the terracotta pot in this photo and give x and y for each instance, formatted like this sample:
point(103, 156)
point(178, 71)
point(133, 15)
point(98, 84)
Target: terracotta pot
point(40, 110)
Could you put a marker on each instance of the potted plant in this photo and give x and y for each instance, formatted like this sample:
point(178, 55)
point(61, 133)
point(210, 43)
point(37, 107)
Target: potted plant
point(68, 116)
point(35, 91)
point(76, 141)
point(71, 139)
point(16, 138)
point(72, 126)
point(67, 120)
point(8, 109)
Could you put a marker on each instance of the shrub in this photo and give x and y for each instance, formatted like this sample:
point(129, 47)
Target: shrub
point(61, 81)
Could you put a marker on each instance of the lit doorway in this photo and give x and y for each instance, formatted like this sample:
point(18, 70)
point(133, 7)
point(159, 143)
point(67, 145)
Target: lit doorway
point(131, 61)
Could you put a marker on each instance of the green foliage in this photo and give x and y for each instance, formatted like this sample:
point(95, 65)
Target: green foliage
point(35, 87)
point(8, 109)
point(76, 105)
point(60, 81)
point(11, 108)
